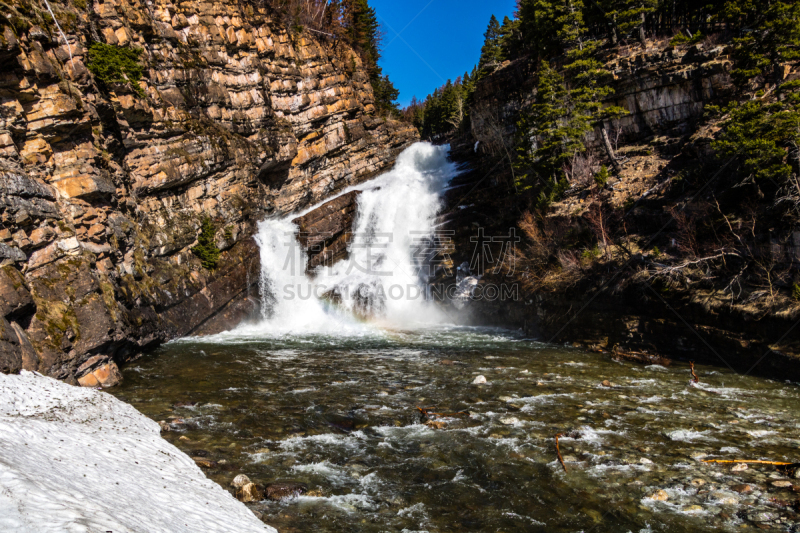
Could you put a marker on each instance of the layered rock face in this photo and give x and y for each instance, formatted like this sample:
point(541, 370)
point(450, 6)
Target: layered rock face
point(664, 92)
point(325, 232)
point(103, 188)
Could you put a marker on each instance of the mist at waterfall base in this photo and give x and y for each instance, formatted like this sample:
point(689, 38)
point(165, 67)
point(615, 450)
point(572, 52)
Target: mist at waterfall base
point(383, 282)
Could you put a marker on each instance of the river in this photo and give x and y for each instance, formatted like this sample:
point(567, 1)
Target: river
point(324, 390)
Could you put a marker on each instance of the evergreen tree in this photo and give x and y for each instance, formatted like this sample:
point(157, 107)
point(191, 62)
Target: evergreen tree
point(363, 31)
point(510, 38)
point(630, 17)
point(774, 37)
point(550, 134)
point(492, 51)
point(537, 24)
point(764, 138)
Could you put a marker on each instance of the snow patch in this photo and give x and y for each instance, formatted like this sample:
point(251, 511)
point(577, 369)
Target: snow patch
point(79, 460)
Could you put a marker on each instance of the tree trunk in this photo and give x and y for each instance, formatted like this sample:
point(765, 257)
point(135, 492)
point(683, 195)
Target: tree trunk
point(610, 151)
point(641, 31)
point(614, 37)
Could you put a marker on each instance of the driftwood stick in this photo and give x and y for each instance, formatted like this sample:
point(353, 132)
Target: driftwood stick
point(695, 379)
point(558, 452)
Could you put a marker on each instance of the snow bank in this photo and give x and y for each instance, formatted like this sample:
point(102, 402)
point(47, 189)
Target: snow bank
point(79, 460)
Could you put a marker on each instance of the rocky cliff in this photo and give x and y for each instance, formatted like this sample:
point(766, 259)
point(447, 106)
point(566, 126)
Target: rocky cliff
point(104, 184)
point(637, 291)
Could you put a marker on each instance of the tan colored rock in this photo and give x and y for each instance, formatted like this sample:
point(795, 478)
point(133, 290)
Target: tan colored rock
point(204, 463)
point(106, 375)
point(42, 236)
point(249, 493)
point(84, 186)
point(215, 136)
point(659, 495)
point(36, 151)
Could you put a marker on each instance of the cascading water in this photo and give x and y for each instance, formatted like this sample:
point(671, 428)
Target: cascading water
point(383, 280)
point(312, 394)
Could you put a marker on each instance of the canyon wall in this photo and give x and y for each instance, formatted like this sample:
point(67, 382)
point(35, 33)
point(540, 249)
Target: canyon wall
point(104, 186)
point(608, 300)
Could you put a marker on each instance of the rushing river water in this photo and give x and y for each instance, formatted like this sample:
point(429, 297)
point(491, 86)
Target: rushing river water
point(339, 414)
point(309, 394)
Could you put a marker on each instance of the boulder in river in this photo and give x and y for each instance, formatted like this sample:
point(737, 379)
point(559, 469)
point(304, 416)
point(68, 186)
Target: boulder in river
point(99, 371)
point(249, 493)
point(240, 481)
point(283, 490)
point(479, 380)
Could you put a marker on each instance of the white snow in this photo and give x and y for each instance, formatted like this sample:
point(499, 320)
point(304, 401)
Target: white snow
point(79, 460)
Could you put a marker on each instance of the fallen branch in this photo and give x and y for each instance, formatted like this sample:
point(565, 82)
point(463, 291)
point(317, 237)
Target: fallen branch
point(677, 268)
point(695, 379)
point(748, 461)
point(641, 357)
point(321, 32)
point(558, 452)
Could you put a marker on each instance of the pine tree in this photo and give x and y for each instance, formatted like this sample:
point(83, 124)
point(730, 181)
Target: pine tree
point(630, 17)
point(363, 31)
point(550, 134)
point(510, 38)
point(206, 249)
point(774, 39)
point(537, 24)
point(492, 52)
point(764, 139)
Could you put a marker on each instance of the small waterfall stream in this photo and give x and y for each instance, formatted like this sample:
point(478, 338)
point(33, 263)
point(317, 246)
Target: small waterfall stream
point(382, 280)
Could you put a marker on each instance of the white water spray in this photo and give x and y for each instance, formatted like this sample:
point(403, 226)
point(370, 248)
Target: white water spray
point(382, 283)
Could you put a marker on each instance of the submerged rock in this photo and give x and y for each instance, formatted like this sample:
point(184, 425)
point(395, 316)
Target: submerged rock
point(204, 463)
point(289, 489)
point(659, 495)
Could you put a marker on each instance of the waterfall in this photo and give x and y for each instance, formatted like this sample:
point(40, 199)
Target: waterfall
point(383, 282)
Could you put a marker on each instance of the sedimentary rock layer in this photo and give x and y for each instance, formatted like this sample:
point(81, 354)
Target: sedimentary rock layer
point(104, 186)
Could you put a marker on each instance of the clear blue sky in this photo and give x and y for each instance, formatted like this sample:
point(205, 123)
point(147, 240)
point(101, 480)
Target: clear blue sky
point(438, 40)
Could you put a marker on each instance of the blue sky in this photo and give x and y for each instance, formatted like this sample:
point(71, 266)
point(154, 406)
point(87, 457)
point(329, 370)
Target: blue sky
point(438, 40)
